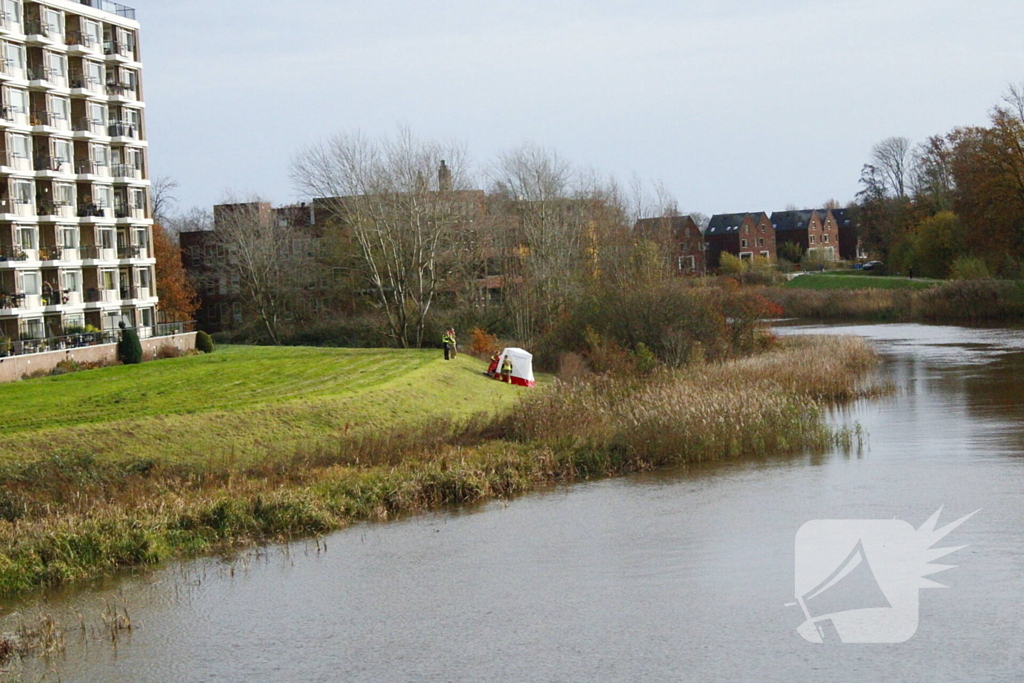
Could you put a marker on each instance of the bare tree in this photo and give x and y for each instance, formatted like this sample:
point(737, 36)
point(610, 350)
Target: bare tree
point(269, 261)
point(401, 200)
point(162, 197)
point(194, 220)
point(891, 159)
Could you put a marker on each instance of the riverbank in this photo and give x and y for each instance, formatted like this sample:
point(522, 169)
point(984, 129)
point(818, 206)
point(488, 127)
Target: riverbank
point(955, 301)
point(74, 516)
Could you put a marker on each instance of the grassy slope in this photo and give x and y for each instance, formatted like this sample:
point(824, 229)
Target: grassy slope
point(850, 281)
point(239, 403)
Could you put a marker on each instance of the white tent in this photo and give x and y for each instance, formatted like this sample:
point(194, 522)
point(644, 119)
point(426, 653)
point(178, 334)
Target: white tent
point(522, 367)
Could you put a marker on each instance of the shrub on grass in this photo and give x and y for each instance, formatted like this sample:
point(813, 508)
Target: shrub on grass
point(129, 348)
point(968, 268)
point(204, 342)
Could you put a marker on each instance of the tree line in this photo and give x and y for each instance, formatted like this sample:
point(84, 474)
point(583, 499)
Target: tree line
point(953, 205)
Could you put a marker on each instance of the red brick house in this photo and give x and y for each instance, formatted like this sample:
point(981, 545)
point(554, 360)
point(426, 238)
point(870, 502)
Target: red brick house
point(745, 235)
point(849, 238)
point(813, 230)
point(680, 239)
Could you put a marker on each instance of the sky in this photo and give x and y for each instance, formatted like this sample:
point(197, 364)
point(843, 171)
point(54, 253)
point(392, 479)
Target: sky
point(733, 105)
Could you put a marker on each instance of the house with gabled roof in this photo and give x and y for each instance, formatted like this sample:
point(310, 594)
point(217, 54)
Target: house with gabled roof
point(850, 247)
point(679, 238)
point(811, 229)
point(745, 235)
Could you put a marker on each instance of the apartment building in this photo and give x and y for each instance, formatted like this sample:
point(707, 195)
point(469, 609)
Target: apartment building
point(75, 224)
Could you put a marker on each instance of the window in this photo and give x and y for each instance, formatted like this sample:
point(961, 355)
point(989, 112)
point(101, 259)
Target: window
point(746, 229)
point(27, 237)
point(108, 279)
point(137, 198)
point(133, 158)
point(103, 196)
point(53, 21)
point(92, 33)
point(100, 155)
point(812, 239)
point(743, 243)
point(60, 108)
point(14, 59)
point(16, 100)
point(23, 191)
point(760, 241)
point(74, 321)
point(144, 277)
point(18, 146)
point(61, 150)
point(31, 283)
point(68, 237)
point(146, 316)
point(824, 238)
point(97, 113)
point(32, 329)
point(106, 238)
point(687, 263)
point(94, 76)
point(762, 228)
point(142, 238)
point(57, 65)
point(71, 280)
point(12, 13)
point(63, 194)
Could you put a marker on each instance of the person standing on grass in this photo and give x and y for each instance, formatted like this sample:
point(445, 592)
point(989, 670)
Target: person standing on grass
point(506, 370)
point(455, 342)
point(449, 344)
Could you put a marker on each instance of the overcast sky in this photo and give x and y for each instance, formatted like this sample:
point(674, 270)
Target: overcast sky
point(735, 105)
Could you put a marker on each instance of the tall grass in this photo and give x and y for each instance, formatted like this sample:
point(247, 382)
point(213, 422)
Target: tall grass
point(73, 516)
point(957, 301)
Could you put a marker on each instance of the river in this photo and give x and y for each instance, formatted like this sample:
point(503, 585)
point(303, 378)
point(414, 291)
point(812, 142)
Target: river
point(678, 575)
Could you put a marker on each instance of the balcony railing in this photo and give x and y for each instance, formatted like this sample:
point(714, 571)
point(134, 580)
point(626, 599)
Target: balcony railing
point(126, 171)
point(94, 211)
point(86, 125)
point(45, 162)
point(15, 160)
point(43, 73)
point(9, 347)
point(94, 253)
point(94, 295)
point(88, 167)
point(131, 251)
point(36, 27)
point(58, 208)
point(7, 22)
point(123, 130)
point(108, 6)
point(12, 254)
point(86, 40)
point(121, 90)
point(86, 82)
point(11, 300)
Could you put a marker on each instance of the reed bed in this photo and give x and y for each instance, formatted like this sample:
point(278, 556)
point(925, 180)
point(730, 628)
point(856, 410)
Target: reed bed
point(74, 517)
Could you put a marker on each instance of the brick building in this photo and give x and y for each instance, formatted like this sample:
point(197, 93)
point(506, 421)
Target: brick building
point(744, 235)
point(680, 239)
point(814, 231)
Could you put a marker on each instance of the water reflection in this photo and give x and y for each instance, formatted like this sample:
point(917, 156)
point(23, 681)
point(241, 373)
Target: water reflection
point(677, 575)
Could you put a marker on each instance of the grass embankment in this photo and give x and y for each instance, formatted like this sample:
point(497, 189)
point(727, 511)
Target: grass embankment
point(956, 301)
point(242, 404)
point(853, 280)
point(78, 514)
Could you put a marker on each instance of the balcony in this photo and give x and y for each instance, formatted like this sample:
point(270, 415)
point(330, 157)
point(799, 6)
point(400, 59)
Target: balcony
point(12, 254)
point(84, 41)
point(60, 209)
point(123, 130)
point(44, 74)
point(8, 22)
point(35, 27)
point(17, 207)
point(94, 253)
point(87, 167)
point(126, 171)
point(108, 6)
point(58, 253)
point(9, 301)
point(129, 211)
point(49, 119)
point(91, 210)
point(131, 251)
point(122, 90)
point(87, 125)
point(52, 164)
point(81, 338)
point(83, 82)
point(99, 296)
point(15, 161)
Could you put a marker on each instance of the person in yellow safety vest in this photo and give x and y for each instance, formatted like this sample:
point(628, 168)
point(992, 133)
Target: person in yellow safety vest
point(506, 370)
point(449, 344)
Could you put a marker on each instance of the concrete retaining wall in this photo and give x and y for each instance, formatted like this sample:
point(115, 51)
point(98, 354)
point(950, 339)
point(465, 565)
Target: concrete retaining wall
point(18, 367)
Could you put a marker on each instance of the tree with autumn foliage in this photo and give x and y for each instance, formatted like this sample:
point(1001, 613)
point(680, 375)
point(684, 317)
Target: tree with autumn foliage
point(178, 298)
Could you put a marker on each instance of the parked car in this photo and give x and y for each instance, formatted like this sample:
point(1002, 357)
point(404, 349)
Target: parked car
point(872, 265)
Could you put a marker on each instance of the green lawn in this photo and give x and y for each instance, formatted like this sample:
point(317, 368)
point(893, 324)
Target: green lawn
point(854, 280)
point(241, 402)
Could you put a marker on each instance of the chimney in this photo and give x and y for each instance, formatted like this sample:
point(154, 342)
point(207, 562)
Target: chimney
point(444, 177)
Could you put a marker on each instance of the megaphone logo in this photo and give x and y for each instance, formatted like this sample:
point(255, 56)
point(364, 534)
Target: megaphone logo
point(860, 578)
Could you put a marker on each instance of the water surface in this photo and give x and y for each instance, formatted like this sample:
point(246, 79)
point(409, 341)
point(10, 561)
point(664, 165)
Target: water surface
point(679, 575)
